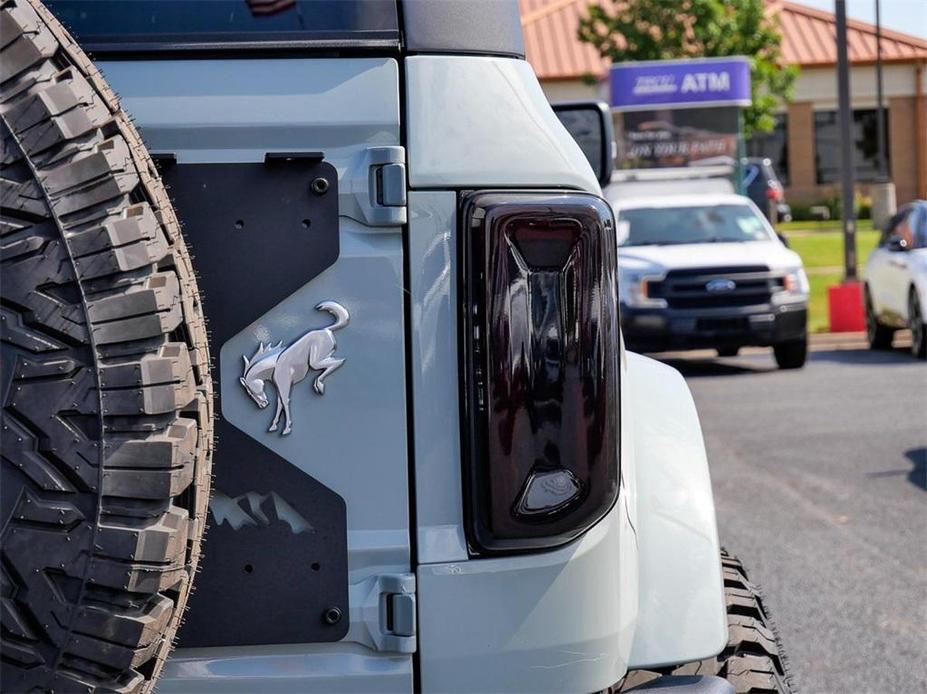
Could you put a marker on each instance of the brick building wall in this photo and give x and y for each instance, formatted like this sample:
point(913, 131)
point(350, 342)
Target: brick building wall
point(901, 130)
point(802, 184)
point(903, 153)
point(816, 88)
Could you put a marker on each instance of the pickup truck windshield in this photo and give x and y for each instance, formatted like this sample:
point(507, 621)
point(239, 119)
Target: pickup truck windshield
point(662, 226)
point(106, 25)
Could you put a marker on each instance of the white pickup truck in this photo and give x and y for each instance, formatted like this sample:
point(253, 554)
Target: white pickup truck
point(706, 270)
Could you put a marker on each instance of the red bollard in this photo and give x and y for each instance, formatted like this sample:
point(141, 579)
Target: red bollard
point(845, 304)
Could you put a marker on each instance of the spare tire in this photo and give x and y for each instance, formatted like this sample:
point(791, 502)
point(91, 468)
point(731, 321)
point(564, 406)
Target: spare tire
point(107, 400)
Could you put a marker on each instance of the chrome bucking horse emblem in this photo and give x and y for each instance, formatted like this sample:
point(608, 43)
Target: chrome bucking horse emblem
point(287, 366)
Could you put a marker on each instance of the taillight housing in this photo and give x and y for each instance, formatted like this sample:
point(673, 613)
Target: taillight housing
point(539, 326)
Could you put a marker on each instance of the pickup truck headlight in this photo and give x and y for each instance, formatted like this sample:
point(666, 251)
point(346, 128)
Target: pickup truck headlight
point(635, 289)
point(795, 283)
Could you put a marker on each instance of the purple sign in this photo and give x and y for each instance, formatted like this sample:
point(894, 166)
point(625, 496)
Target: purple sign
point(681, 83)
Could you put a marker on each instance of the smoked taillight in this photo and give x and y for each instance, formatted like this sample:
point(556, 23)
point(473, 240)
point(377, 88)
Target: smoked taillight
point(540, 339)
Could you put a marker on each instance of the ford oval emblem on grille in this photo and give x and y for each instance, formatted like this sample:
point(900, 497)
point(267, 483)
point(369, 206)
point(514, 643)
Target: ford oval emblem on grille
point(720, 285)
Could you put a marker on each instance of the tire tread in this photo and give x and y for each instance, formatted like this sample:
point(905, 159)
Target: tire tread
point(107, 416)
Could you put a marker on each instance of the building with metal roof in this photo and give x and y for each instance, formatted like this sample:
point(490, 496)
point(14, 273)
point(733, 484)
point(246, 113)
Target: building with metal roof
point(803, 146)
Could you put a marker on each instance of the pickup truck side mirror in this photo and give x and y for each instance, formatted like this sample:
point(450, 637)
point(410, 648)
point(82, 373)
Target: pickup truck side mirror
point(896, 244)
point(784, 239)
point(590, 124)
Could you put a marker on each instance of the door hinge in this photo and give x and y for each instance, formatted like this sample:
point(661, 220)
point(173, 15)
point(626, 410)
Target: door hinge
point(374, 190)
point(387, 613)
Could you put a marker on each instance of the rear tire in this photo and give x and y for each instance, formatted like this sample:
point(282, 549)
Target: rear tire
point(753, 660)
point(792, 354)
point(917, 325)
point(728, 351)
point(879, 336)
point(106, 395)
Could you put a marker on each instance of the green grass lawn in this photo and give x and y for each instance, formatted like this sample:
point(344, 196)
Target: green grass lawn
point(824, 249)
point(821, 252)
point(828, 225)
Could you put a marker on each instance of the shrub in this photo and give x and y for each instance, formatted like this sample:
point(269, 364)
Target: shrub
point(803, 211)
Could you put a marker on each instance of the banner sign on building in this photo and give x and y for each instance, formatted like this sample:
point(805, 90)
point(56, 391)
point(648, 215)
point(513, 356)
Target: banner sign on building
point(663, 84)
point(676, 137)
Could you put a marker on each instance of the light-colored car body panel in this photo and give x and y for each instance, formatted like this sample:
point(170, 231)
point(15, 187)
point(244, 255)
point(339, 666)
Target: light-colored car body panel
point(435, 378)
point(554, 621)
point(329, 668)
point(681, 615)
point(483, 121)
point(890, 274)
point(693, 255)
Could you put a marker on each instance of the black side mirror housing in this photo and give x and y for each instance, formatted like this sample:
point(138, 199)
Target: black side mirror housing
point(785, 241)
point(896, 244)
point(590, 124)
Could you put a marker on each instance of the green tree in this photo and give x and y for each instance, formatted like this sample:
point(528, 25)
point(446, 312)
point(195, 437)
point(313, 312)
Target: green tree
point(667, 29)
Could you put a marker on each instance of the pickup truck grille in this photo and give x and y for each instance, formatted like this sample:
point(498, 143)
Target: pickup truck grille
point(735, 286)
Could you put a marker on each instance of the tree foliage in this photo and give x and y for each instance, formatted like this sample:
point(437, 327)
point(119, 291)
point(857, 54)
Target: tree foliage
point(668, 29)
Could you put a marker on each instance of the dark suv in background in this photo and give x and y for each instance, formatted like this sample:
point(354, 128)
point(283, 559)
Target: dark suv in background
point(762, 186)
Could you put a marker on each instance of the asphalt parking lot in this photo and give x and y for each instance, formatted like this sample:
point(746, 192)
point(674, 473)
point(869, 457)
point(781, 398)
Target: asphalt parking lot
point(820, 480)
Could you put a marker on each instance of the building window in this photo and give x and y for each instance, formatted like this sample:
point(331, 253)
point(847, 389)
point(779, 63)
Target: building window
point(865, 153)
point(773, 146)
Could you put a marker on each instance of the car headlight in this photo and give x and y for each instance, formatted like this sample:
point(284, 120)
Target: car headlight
point(634, 289)
point(795, 283)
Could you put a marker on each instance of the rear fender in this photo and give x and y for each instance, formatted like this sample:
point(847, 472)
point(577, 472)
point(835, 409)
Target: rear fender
point(681, 595)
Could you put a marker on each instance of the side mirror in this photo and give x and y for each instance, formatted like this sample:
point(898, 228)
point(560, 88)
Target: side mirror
point(785, 241)
point(896, 244)
point(590, 124)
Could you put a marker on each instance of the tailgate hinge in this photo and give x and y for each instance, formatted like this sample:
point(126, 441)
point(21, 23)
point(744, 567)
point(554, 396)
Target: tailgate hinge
point(373, 191)
point(387, 618)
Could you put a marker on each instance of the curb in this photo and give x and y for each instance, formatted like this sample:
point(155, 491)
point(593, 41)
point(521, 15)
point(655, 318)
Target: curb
point(854, 340)
point(836, 340)
point(817, 342)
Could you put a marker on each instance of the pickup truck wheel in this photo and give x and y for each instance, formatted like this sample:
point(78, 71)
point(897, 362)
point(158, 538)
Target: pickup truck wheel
point(879, 336)
point(917, 325)
point(791, 354)
point(105, 387)
point(753, 660)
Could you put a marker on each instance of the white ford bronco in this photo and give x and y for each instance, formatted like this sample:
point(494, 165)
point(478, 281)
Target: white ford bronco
point(436, 466)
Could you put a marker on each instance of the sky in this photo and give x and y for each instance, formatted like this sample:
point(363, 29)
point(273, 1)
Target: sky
point(908, 16)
